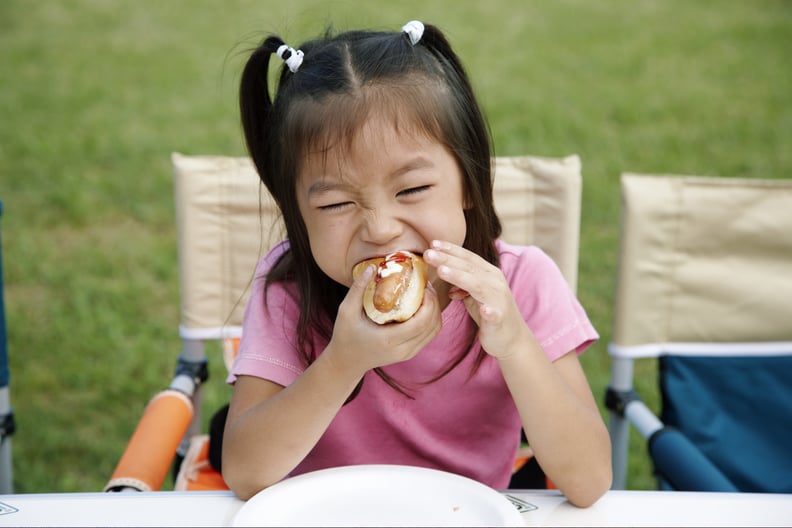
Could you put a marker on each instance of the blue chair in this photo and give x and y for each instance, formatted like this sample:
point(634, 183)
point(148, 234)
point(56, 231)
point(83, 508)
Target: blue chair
point(704, 287)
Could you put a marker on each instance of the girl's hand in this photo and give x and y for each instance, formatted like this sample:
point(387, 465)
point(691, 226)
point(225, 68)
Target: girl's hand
point(359, 344)
point(486, 294)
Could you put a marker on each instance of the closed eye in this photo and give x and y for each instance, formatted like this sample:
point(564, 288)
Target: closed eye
point(334, 206)
point(414, 190)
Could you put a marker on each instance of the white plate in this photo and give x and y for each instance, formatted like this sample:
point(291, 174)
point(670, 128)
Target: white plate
point(378, 495)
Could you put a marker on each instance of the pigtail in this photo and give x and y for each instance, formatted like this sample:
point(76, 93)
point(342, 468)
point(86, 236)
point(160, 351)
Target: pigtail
point(435, 41)
point(255, 103)
point(264, 120)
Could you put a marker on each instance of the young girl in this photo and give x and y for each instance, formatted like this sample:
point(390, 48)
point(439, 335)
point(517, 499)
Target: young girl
point(374, 143)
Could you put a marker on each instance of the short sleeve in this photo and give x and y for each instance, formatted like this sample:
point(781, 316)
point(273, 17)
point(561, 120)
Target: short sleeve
point(268, 348)
point(549, 306)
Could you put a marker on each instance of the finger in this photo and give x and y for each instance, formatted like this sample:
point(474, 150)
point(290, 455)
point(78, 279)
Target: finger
point(456, 293)
point(358, 287)
point(472, 307)
point(449, 266)
point(363, 279)
point(466, 280)
point(455, 258)
point(448, 247)
point(430, 308)
point(446, 252)
point(472, 278)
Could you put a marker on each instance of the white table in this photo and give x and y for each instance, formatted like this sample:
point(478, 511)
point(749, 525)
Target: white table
point(546, 508)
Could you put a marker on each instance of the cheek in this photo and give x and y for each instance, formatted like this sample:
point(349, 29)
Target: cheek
point(446, 221)
point(329, 243)
point(457, 228)
point(328, 259)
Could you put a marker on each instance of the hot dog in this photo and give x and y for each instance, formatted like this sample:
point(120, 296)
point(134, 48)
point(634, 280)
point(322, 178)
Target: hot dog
point(396, 291)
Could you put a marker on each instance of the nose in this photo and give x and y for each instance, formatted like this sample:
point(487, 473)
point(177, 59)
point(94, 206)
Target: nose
point(381, 226)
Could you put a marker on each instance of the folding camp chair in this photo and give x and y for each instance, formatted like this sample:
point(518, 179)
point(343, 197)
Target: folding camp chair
point(705, 285)
point(226, 222)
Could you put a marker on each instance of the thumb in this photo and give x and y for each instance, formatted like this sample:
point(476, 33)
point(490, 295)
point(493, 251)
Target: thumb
point(361, 281)
point(354, 297)
point(473, 309)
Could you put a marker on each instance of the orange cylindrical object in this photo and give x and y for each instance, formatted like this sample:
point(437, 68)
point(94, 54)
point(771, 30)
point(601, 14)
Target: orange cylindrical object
point(150, 452)
point(230, 351)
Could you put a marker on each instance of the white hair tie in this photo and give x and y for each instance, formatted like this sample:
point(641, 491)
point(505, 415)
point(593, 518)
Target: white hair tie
point(293, 59)
point(414, 30)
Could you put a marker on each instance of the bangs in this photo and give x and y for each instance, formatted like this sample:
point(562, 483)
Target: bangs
point(415, 106)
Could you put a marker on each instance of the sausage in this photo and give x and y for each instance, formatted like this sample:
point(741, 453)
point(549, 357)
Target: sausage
point(393, 276)
point(396, 291)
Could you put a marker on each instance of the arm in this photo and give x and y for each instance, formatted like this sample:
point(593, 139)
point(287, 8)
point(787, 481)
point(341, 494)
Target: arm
point(558, 412)
point(562, 422)
point(270, 428)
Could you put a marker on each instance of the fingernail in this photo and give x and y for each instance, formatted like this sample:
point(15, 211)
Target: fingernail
point(368, 272)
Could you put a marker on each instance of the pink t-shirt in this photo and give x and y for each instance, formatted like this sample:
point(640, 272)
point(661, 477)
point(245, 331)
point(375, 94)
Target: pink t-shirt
point(460, 423)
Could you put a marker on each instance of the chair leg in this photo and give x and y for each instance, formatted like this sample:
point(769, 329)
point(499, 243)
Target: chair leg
point(619, 390)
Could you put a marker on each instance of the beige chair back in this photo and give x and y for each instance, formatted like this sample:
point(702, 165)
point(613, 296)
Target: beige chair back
point(704, 259)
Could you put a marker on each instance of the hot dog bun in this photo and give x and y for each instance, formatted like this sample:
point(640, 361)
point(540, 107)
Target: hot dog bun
point(396, 291)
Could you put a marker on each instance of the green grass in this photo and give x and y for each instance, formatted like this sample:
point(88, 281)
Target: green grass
point(96, 94)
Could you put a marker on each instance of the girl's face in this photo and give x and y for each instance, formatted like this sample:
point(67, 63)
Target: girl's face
point(390, 190)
